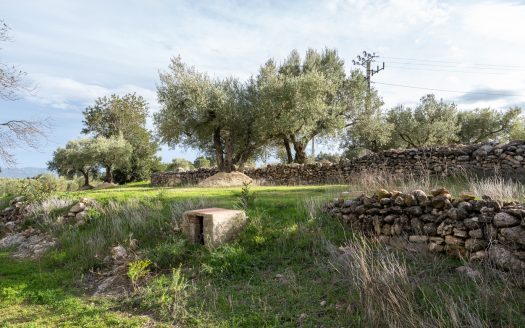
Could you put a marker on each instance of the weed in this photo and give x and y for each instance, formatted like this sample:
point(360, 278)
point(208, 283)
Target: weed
point(138, 270)
point(246, 198)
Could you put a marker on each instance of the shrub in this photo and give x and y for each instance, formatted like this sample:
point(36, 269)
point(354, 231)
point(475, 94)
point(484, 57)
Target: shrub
point(137, 270)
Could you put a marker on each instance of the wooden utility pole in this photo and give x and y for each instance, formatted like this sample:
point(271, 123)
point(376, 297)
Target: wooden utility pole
point(366, 61)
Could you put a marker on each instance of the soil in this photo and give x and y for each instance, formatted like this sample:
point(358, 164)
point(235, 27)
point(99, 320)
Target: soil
point(223, 179)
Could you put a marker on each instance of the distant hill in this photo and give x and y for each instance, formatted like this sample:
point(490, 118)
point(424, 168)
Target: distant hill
point(22, 172)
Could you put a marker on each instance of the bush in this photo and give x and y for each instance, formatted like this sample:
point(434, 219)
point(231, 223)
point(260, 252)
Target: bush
point(137, 270)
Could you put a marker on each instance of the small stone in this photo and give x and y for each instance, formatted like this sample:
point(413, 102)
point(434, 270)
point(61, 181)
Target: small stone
point(440, 191)
point(467, 195)
point(383, 193)
point(476, 233)
point(430, 229)
point(502, 220)
point(435, 248)
point(514, 235)
point(119, 253)
point(322, 303)
point(420, 196)
point(414, 211)
point(475, 245)
point(385, 201)
point(469, 272)
point(451, 240)
point(437, 240)
point(478, 256)
point(418, 239)
point(459, 233)
point(471, 223)
point(78, 207)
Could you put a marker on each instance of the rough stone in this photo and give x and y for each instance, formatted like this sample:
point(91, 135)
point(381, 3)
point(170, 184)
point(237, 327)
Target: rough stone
point(502, 220)
point(504, 259)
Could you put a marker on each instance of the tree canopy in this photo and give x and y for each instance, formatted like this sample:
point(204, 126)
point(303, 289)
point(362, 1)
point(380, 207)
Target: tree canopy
point(112, 116)
point(482, 124)
point(212, 115)
point(430, 122)
point(78, 156)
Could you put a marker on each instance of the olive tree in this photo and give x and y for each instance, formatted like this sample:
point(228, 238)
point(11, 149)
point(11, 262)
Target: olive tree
point(114, 115)
point(431, 122)
point(482, 124)
point(212, 115)
point(78, 156)
point(112, 153)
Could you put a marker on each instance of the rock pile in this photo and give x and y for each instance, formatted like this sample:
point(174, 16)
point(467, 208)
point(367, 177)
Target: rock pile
point(476, 229)
point(445, 160)
point(11, 216)
point(78, 213)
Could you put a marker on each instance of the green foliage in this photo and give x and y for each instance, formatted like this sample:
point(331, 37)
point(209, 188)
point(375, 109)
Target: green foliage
point(247, 197)
point(35, 190)
point(138, 270)
point(114, 116)
point(430, 123)
point(201, 162)
point(112, 152)
point(214, 116)
point(483, 124)
point(169, 253)
point(331, 157)
point(180, 163)
point(79, 156)
point(309, 97)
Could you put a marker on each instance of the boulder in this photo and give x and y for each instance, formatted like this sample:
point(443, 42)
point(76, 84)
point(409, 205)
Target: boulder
point(504, 259)
point(502, 220)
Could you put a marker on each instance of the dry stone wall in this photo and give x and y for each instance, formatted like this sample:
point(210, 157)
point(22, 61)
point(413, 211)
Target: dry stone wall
point(474, 229)
point(487, 157)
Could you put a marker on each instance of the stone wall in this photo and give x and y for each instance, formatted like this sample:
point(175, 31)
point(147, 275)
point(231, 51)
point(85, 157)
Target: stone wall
point(505, 158)
point(474, 229)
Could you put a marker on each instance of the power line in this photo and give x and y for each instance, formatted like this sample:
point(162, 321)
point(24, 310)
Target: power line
point(442, 70)
point(445, 90)
point(452, 62)
point(464, 66)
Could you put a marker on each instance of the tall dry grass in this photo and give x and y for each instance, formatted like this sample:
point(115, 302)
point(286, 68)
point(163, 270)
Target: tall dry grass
point(387, 294)
point(497, 188)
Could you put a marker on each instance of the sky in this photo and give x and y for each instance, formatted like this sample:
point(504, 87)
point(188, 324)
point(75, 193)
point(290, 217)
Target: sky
point(467, 52)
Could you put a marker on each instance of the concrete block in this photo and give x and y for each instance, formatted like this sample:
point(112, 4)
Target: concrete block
point(212, 227)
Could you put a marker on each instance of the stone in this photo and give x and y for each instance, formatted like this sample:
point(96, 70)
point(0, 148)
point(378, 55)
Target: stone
point(80, 216)
point(478, 256)
point(451, 240)
point(444, 229)
point(78, 207)
point(427, 217)
point(435, 248)
point(475, 245)
point(504, 259)
point(476, 233)
point(212, 227)
point(441, 192)
point(385, 201)
point(418, 239)
point(414, 211)
point(502, 220)
point(440, 202)
point(420, 196)
point(390, 218)
point(459, 233)
point(383, 193)
point(437, 240)
point(514, 235)
point(464, 206)
point(429, 229)
point(119, 254)
point(472, 223)
point(408, 199)
point(469, 272)
point(467, 195)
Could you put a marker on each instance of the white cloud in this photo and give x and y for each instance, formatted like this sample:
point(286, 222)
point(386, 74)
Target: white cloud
point(66, 93)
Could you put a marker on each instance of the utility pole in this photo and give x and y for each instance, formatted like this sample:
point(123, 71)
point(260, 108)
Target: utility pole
point(366, 61)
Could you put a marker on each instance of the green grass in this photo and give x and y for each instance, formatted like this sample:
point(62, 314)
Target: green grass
point(278, 273)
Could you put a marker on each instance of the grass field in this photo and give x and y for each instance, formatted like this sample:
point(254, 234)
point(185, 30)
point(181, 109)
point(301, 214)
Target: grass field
point(282, 271)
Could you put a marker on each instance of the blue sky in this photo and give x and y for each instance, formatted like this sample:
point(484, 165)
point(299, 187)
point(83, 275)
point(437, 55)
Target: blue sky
point(76, 51)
